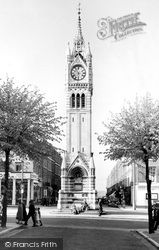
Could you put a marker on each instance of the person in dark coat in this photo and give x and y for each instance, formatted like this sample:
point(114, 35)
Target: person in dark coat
point(24, 212)
point(100, 207)
point(31, 214)
point(156, 217)
point(19, 215)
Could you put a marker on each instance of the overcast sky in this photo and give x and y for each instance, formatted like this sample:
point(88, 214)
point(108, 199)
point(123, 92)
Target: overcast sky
point(33, 41)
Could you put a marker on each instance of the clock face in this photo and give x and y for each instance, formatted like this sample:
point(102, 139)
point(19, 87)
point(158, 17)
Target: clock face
point(78, 72)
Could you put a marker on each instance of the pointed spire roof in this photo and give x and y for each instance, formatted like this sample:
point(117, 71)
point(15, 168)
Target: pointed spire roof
point(89, 50)
point(79, 41)
point(68, 52)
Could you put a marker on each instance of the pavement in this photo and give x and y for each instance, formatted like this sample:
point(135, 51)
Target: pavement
point(127, 213)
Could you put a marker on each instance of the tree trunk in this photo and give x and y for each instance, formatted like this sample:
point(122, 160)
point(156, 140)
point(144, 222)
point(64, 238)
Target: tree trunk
point(5, 198)
point(151, 229)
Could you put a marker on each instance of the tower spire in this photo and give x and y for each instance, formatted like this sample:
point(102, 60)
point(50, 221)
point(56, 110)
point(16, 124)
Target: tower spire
point(79, 41)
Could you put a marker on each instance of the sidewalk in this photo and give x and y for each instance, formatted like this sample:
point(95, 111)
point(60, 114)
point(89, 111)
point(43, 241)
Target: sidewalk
point(10, 227)
point(152, 238)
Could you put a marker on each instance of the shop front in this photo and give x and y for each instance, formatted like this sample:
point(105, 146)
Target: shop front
point(18, 189)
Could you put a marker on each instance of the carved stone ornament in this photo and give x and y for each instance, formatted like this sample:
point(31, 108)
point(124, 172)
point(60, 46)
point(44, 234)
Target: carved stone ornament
point(78, 178)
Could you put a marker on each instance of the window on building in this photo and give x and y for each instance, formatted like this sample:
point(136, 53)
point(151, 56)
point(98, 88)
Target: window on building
point(73, 119)
point(78, 100)
point(72, 149)
point(73, 101)
point(142, 174)
point(83, 100)
point(82, 119)
point(18, 166)
point(152, 174)
point(82, 149)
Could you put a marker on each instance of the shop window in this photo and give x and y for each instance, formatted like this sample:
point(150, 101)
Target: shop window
point(18, 190)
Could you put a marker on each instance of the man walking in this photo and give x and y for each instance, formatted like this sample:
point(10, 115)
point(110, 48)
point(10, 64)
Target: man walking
point(31, 214)
point(156, 217)
point(100, 206)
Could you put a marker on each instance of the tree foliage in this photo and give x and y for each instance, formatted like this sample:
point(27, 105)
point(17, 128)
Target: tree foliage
point(133, 134)
point(28, 125)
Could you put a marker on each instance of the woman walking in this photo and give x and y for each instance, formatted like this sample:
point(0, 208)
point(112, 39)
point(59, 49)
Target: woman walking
point(19, 215)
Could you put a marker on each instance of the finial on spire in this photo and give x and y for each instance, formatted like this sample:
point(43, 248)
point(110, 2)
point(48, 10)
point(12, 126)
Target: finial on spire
point(79, 9)
point(89, 50)
point(68, 52)
point(79, 41)
point(79, 19)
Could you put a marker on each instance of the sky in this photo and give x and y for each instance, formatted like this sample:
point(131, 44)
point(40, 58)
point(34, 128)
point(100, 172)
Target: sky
point(33, 40)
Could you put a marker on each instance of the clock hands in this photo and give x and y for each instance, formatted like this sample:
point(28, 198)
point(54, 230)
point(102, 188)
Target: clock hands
point(78, 72)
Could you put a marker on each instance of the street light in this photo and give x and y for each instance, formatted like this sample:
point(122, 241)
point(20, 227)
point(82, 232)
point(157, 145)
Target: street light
point(134, 191)
point(22, 185)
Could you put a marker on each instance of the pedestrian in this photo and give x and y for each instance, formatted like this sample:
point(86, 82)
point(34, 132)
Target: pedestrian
point(31, 214)
point(100, 207)
point(24, 211)
point(38, 217)
point(44, 201)
point(156, 217)
point(85, 206)
point(19, 215)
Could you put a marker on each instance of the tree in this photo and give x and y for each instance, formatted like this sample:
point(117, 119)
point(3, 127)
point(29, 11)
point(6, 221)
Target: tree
point(28, 126)
point(133, 134)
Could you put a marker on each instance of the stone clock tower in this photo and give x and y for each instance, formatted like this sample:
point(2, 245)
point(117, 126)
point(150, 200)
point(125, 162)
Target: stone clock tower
point(78, 169)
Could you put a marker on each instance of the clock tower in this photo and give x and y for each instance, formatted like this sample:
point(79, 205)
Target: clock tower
point(78, 169)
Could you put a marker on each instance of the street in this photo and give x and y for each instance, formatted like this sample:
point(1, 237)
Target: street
point(82, 233)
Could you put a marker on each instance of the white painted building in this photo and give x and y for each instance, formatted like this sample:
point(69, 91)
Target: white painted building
point(133, 176)
point(21, 181)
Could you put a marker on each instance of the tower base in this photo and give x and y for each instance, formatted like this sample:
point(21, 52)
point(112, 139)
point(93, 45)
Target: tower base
point(66, 199)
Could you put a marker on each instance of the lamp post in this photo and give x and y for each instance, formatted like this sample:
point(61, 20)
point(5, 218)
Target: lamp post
point(134, 191)
point(1, 176)
point(22, 185)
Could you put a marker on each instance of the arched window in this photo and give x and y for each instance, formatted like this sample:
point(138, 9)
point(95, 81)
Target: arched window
point(83, 100)
point(73, 101)
point(78, 100)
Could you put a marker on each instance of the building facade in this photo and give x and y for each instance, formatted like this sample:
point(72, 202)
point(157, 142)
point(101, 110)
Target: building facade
point(78, 169)
point(51, 177)
point(131, 178)
point(31, 180)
